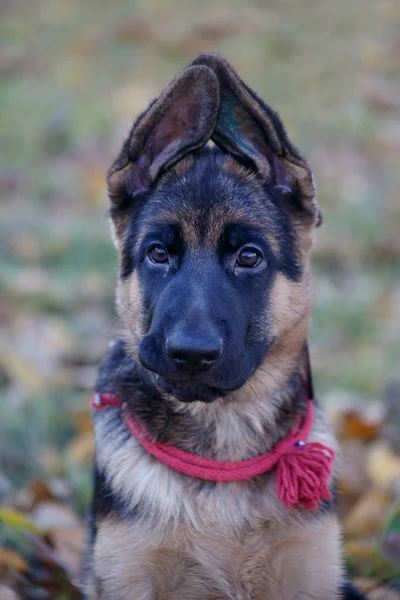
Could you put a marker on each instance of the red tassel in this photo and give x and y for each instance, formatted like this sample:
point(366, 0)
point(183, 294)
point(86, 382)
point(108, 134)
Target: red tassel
point(302, 475)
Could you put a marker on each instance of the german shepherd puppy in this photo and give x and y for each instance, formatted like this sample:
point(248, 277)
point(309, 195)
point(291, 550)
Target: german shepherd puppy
point(212, 211)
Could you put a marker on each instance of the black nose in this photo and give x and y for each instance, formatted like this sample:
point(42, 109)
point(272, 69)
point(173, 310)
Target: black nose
point(193, 352)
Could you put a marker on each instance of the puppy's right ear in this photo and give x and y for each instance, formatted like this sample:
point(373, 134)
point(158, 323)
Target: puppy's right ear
point(251, 131)
point(180, 121)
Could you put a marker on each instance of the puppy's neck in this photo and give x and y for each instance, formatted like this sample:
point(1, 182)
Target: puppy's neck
point(242, 425)
point(252, 419)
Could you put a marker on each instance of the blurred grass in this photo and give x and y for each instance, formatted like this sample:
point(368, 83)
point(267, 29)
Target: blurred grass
point(73, 77)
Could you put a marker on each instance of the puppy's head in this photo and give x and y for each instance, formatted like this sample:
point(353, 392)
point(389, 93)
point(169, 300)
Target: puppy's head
point(213, 242)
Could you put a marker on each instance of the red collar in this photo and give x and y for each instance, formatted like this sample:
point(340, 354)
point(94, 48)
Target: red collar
point(302, 468)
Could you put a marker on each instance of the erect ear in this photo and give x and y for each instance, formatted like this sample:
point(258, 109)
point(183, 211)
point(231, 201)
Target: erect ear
point(181, 120)
point(251, 131)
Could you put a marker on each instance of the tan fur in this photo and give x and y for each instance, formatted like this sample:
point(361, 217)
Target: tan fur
point(292, 560)
point(130, 309)
point(289, 315)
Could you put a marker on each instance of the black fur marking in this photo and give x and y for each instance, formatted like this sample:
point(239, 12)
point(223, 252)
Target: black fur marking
point(349, 592)
point(105, 503)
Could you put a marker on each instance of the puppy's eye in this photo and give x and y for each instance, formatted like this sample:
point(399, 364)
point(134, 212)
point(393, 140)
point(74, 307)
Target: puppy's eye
point(249, 258)
point(158, 255)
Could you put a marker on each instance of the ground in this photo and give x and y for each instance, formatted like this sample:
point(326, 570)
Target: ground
point(73, 77)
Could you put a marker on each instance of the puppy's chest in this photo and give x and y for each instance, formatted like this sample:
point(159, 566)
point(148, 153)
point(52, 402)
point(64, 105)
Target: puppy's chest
point(151, 492)
point(172, 537)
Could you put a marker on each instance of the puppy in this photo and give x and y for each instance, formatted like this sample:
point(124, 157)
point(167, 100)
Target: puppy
point(214, 465)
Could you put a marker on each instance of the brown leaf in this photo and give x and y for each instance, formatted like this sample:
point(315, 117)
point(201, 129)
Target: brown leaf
point(95, 184)
point(354, 425)
point(11, 560)
point(353, 480)
point(21, 371)
point(367, 517)
point(83, 421)
point(81, 449)
point(40, 491)
point(27, 497)
point(383, 465)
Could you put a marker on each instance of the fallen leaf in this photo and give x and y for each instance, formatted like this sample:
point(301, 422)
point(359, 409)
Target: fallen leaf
point(11, 560)
point(353, 480)
point(383, 465)
point(81, 449)
point(367, 516)
point(365, 558)
point(49, 515)
point(18, 521)
point(40, 491)
point(21, 370)
point(359, 550)
point(94, 182)
point(354, 425)
point(83, 421)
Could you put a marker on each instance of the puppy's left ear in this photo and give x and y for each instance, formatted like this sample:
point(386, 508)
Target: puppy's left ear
point(178, 122)
point(251, 131)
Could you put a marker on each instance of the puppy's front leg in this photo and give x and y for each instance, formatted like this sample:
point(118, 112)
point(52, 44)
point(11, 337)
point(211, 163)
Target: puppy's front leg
point(299, 561)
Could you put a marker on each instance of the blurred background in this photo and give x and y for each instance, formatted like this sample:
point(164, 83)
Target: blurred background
point(74, 75)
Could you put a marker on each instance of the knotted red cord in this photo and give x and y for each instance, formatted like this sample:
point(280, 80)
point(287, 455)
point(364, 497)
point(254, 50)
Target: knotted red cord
point(302, 468)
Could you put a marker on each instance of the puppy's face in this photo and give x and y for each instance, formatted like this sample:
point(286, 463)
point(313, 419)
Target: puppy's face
point(213, 244)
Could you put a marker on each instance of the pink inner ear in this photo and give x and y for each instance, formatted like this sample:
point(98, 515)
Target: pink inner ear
point(181, 121)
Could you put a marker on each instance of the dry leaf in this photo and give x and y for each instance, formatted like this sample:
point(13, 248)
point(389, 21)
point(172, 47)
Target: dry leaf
point(383, 465)
point(95, 184)
point(83, 421)
point(359, 550)
point(367, 517)
point(40, 491)
point(353, 479)
point(12, 560)
point(81, 449)
point(49, 515)
point(18, 521)
point(354, 425)
point(21, 371)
